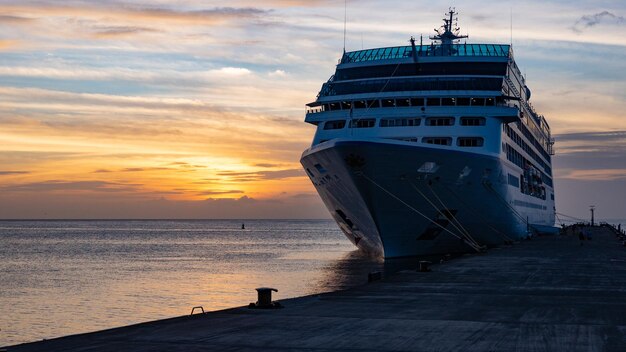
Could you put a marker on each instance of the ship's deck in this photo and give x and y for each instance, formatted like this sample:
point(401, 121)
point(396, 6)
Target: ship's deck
point(546, 294)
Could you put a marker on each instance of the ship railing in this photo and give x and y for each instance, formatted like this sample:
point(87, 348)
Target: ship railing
point(399, 52)
point(313, 109)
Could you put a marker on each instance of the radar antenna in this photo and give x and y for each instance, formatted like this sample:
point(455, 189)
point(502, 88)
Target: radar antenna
point(449, 32)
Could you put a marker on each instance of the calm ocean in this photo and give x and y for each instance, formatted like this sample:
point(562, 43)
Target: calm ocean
point(66, 277)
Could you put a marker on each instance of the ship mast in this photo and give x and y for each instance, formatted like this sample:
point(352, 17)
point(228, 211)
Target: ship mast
point(448, 33)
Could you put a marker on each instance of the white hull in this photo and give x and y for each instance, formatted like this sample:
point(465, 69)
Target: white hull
point(387, 206)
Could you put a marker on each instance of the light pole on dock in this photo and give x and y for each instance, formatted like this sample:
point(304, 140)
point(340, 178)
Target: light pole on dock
point(592, 208)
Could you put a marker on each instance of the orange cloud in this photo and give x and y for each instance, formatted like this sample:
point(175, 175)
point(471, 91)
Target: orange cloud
point(7, 44)
point(96, 11)
point(595, 175)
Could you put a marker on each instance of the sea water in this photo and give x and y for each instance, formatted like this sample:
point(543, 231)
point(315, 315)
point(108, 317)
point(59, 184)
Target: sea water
point(67, 277)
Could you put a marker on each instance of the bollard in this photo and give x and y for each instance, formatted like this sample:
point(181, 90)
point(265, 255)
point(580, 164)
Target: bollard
point(424, 266)
point(192, 310)
point(265, 296)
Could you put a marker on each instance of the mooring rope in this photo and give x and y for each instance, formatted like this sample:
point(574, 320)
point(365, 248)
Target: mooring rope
point(488, 186)
point(506, 237)
point(461, 230)
point(472, 245)
point(454, 217)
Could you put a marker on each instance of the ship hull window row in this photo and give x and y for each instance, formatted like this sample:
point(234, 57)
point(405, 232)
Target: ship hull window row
point(518, 159)
point(445, 141)
point(472, 121)
point(437, 140)
point(470, 141)
point(425, 69)
point(407, 102)
point(519, 141)
point(362, 123)
point(440, 121)
point(334, 125)
point(541, 148)
point(400, 122)
point(404, 122)
point(410, 84)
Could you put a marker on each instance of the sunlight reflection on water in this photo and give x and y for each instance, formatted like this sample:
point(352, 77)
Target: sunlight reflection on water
point(67, 277)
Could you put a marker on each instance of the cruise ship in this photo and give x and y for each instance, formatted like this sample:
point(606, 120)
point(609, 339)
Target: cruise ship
point(431, 149)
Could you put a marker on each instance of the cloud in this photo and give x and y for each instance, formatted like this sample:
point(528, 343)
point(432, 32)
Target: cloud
point(231, 71)
point(605, 137)
point(120, 31)
point(267, 165)
point(261, 175)
point(141, 169)
point(588, 21)
point(8, 19)
point(590, 156)
point(277, 73)
point(207, 16)
point(213, 193)
point(305, 195)
point(13, 172)
point(115, 206)
point(97, 10)
point(58, 185)
point(592, 147)
point(596, 174)
point(7, 44)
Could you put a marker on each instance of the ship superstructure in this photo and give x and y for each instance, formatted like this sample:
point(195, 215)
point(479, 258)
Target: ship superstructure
point(431, 148)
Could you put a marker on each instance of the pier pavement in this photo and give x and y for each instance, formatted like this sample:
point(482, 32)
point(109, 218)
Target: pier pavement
point(545, 294)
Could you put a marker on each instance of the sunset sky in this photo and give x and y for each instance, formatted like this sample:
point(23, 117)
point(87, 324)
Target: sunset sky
point(190, 109)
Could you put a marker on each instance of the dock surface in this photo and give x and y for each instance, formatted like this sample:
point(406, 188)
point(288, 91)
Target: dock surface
point(545, 294)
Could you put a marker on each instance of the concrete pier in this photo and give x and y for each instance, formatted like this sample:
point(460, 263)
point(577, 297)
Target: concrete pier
point(545, 294)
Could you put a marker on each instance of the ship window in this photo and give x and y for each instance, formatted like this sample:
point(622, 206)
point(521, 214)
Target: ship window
point(346, 105)
point(417, 101)
point(399, 122)
point(437, 140)
point(326, 107)
point(360, 104)
point(363, 123)
point(462, 101)
point(433, 102)
point(440, 121)
point(491, 102)
point(470, 141)
point(478, 101)
point(472, 121)
point(513, 180)
point(403, 102)
point(334, 106)
point(448, 101)
point(334, 125)
point(373, 104)
point(320, 168)
point(388, 103)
